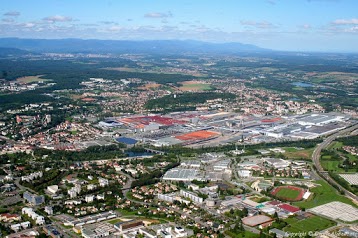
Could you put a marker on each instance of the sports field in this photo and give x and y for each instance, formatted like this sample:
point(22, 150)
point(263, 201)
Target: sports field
point(314, 223)
point(197, 135)
point(289, 193)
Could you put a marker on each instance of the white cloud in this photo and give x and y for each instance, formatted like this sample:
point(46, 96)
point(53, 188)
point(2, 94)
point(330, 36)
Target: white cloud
point(158, 15)
point(27, 25)
point(353, 21)
point(305, 26)
point(12, 14)
point(115, 28)
point(57, 18)
point(261, 25)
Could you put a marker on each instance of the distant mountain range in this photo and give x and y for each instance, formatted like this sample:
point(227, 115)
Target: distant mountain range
point(125, 46)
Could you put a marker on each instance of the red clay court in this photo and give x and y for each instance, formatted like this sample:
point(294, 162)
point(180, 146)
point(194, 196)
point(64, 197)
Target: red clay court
point(271, 120)
point(197, 135)
point(288, 193)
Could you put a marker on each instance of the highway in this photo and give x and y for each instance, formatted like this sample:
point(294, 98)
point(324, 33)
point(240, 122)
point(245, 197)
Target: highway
point(316, 160)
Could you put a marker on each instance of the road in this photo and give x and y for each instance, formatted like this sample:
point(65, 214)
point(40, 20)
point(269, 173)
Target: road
point(23, 188)
point(128, 184)
point(235, 172)
point(316, 160)
point(65, 233)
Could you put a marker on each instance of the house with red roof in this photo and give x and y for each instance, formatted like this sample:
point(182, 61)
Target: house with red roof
point(7, 217)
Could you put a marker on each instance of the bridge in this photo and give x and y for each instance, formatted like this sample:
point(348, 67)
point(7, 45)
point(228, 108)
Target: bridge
point(154, 151)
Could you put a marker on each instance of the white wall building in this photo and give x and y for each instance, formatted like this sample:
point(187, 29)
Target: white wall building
point(192, 196)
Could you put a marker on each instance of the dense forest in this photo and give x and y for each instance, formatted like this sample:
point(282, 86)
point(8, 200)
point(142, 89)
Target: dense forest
point(349, 140)
point(91, 153)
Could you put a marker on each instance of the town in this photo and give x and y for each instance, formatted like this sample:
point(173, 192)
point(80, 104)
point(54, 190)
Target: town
point(183, 145)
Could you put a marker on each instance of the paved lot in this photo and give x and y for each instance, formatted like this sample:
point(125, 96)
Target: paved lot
point(337, 210)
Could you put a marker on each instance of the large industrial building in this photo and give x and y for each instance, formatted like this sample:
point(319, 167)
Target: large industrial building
point(179, 174)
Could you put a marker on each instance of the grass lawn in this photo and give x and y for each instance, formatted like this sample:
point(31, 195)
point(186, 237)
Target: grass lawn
point(323, 194)
point(331, 165)
point(291, 149)
point(326, 157)
point(196, 87)
point(314, 223)
point(351, 157)
point(115, 221)
point(287, 193)
point(335, 145)
point(293, 153)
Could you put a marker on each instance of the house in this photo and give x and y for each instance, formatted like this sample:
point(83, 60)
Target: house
point(89, 198)
point(7, 217)
point(103, 182)
point(49, 210)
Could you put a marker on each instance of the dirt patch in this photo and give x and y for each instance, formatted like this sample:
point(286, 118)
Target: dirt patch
point(150, 86)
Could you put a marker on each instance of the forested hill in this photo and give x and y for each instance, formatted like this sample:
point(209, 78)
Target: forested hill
point(122, 46)
point(4, 51)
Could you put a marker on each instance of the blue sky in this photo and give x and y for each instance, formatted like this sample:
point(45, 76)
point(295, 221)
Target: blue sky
point(296, 25)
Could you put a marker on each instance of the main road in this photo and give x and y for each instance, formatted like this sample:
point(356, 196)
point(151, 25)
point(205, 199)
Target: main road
point(316, 160)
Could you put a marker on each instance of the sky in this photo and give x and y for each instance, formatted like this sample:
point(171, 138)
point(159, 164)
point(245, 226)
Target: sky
point(292, 25)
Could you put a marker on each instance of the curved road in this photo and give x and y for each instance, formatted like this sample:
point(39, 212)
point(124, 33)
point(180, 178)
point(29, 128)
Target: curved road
point(316, 160)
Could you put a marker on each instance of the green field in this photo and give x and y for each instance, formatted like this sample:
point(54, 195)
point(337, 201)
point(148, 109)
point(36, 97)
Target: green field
point(323, 194)
point(314, 223)
point(196, 87)
point(246, 234)
point(331, 165)
point(335, 145)
point(287, 193)
point(114, 221)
